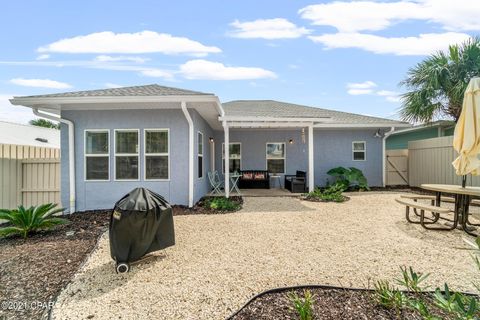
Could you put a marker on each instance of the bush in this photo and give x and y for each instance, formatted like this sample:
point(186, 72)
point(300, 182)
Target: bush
point(329, 194)
point(23, 221)
point(221, 204)
point(349, 179)
point(303, 306)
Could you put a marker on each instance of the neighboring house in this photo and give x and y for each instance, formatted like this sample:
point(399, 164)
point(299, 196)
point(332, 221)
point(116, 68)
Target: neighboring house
point(167, 139)
point(399, 139)
point(28, 135)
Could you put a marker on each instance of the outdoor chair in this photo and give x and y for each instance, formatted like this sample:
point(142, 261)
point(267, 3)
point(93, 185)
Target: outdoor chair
point(296, 183)
point(215, 182)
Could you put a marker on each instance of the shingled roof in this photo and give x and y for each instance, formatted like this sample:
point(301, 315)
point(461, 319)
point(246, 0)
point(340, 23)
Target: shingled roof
point(272, 108)
point(146, 90)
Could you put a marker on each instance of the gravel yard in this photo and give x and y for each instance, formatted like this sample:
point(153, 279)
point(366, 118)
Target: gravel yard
point(220, 261)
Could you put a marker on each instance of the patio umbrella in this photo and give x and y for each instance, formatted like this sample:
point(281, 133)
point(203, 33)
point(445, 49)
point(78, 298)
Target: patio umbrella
point(466, 140)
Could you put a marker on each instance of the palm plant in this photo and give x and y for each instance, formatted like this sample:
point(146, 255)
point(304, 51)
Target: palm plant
point(435, 86)
point(24, 221)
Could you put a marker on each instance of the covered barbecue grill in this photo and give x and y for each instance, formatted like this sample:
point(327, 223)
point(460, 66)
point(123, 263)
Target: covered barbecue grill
point(141, 222)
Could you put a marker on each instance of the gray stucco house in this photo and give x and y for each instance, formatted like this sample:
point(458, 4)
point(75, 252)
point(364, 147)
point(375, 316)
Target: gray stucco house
point(167, 139)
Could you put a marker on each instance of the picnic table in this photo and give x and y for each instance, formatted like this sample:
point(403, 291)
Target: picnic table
point(462, 196)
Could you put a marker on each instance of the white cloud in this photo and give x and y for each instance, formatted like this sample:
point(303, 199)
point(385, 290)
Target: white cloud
point(131, 43)
point(111, 85)
point(105, 58)
point(209, 70)
point(277, 28)
point(424, 44)
point(43, 57)
point(361, 88)
point(390, 96)
point(157, 73)
point(11, 113)
point(40, 83)
point(355, 16)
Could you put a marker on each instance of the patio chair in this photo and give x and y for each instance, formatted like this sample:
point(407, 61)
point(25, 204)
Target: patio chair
point(296, 183)
point(215, 182)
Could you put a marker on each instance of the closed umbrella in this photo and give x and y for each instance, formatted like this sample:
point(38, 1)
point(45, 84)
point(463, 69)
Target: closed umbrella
point(466, 140)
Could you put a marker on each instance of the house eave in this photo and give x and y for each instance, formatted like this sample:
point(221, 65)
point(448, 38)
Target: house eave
point(35, 101)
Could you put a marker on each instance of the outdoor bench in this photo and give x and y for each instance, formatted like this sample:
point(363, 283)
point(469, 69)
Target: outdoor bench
point(425, 221)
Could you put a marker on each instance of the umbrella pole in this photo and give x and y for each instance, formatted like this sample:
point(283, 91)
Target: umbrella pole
point(464, 181)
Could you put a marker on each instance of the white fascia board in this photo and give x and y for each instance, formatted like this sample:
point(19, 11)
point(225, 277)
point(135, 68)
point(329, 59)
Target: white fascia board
point(360, 125)
point(270, 124)
point(33, 101)
point(272, 119)
point(445, 125)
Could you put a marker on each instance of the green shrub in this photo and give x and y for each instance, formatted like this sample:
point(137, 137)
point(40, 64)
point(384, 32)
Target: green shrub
point(221, 204)
point(456, 304)
point(23, 221)
point(303, 306)
point(349, 179)
point(332, 193)
point(390, 297)
point(412, 280)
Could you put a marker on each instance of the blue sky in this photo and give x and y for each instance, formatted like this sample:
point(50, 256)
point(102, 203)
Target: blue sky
point(342, 55)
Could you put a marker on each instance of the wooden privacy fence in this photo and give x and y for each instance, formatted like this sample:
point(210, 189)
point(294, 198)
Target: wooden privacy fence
point(430, 161)
point(29, 175)
point(397, 167)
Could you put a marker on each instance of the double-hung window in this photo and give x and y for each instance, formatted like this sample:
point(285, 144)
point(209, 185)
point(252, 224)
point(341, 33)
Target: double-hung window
point(127, 148)
point(157, 159)
point(276, 157)
point(97, 155)
point(235, 156)
point(200, 154)
point(359, 150)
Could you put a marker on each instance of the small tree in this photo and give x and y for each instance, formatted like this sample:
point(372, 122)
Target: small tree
point(44, 123)
point(435, 86)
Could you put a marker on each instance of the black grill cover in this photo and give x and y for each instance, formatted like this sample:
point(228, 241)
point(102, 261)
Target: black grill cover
point(141, 222)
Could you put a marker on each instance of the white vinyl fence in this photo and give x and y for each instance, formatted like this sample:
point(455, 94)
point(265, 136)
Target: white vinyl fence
point(28, 175)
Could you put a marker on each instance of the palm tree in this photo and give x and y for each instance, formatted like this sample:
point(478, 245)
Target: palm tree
point(436, 85)
point(44, 123)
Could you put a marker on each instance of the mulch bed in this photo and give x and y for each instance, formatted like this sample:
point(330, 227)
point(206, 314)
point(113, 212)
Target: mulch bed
point(329, 303)
point(33, 271)
point(199, 208)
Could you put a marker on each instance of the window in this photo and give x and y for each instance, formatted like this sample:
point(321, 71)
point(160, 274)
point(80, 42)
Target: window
point(157, 159)
point(276, 157)
point(359, 150)
point(97, 155)
point(200, 154)
point(235, 151)
point(126, 154)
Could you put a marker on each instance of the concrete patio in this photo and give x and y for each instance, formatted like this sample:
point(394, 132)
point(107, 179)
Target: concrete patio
point(220, 261)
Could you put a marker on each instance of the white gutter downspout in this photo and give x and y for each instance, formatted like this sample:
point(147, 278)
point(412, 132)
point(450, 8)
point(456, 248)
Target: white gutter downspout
point(191, 144)
point(384, 163)
point(71, 152)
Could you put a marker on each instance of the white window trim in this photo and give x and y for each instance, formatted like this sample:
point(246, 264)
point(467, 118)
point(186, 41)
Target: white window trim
point(200, 155)
point(223, 155)
point(85, 154)
point(284, 156)
point(364, 150)
point(115, 154)
point(145, 154)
